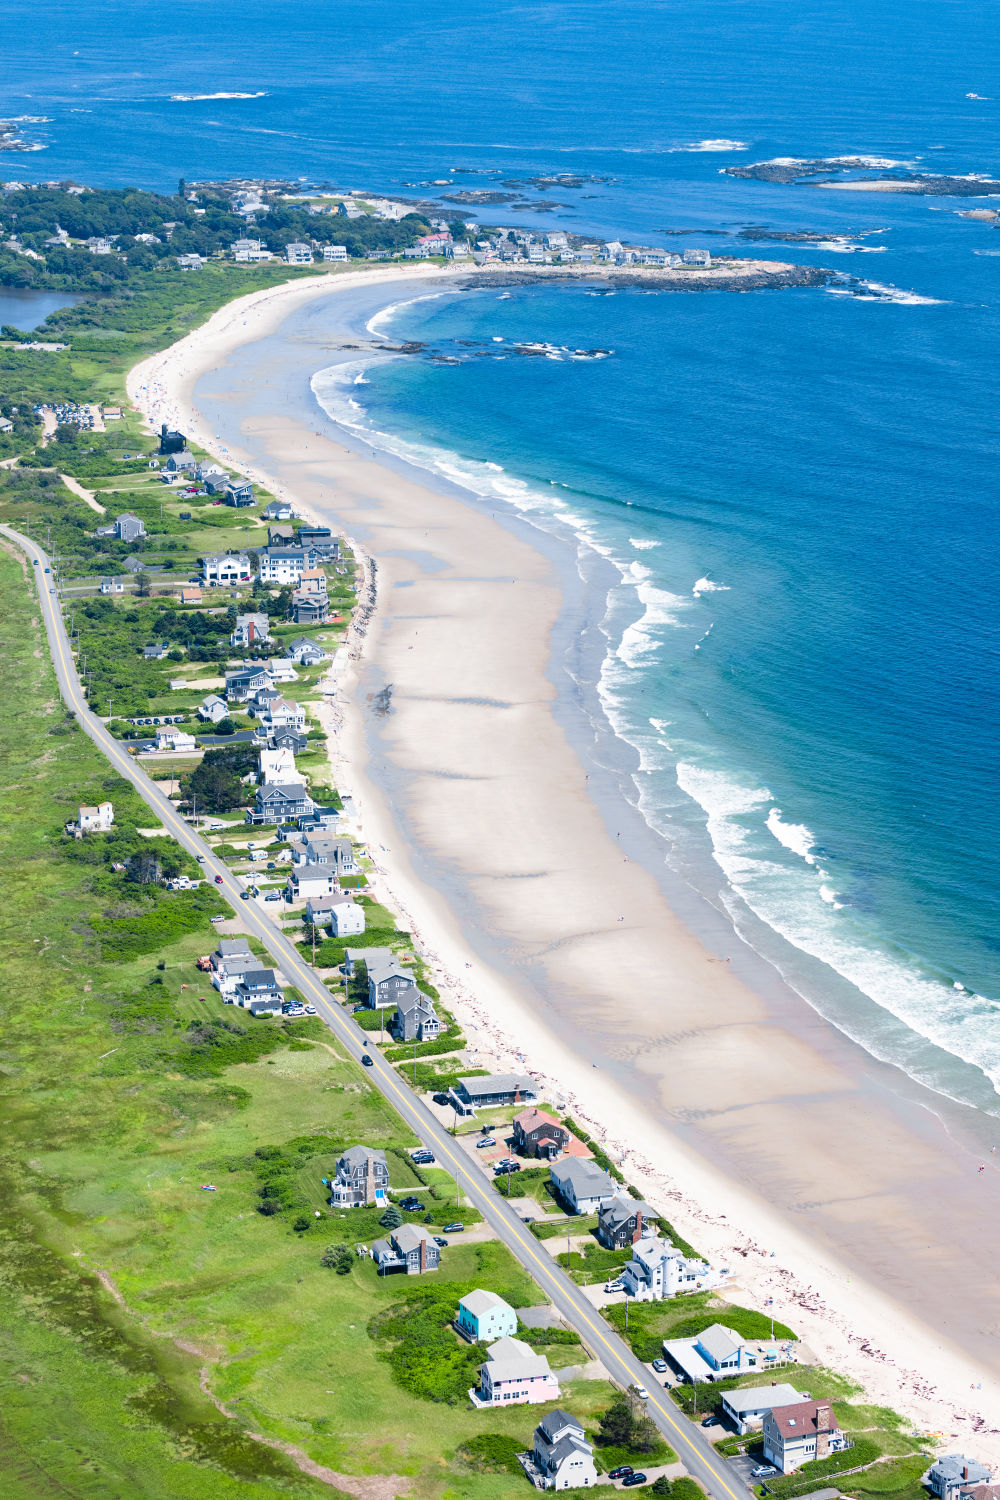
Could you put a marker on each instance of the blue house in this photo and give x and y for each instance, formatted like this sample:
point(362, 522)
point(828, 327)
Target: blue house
point(484, 1317)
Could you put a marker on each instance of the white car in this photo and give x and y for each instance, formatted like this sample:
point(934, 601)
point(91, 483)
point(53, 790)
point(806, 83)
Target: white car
point(201, 859)
point(642, 1393)
point(310, 1010)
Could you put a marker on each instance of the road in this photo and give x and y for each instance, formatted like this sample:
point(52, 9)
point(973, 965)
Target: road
point(692, 1447)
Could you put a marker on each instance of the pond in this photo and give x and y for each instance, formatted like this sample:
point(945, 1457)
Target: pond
point(24, 308)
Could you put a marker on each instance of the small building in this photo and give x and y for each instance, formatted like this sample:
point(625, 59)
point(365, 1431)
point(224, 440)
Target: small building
point(366, 956)
point(362, 1179)
point(171, 739)
point(514, 1374)
point(388, 984)
point(239, 492)
point(191, 595)
point(411, 1249)
point(561, 1459)
point(306, 651)
point(483, 1316)
point(796, 1435)
point(258, 991)
point(156, 650)
point(226, 569)
point(250, 630)
point(658, 1270)
point(538, 1134)
point(277, 510)
point(97, 819)
point(718, 1353)
point(181, 461)
point(112, 586)
point(581, 1185)
point(298, 254)
point(497, 1090)
point(955, 1477)
point(281, 536)
point(127, 528)
point(623, 1221)
point(346, 917)
point(746, 1406)
point(414, 1019)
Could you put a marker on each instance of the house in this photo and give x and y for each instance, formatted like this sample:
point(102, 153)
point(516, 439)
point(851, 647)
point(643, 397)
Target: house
point(190, 262)
point(414, 1019)
point(955, 1477)
point(282, 565)
point(362, 1178)
point(171, 739)
point(411, 1248)
point(282, 713)
point(261, 699)
point(483, 1316)
point(561, 1459)
point(281, 536)
point(514, 1373)
point(213, 708)
point(321, 540)
point(582, 1185)
point(136, 565)
point(795, 1435)
point(224, 569)
point(191, 596)
point(321, 819)
point(388, 984)
point(366, 956)
point(92, 820)
point(746, 1406)
point(335, 252)
point(659, 1270)
point(243, 683)
point(288, 739)
point(258, 991)
point(718, 1353)
point(112, 586)
point(280, 802)
point(346, 918)
point(496, 1090)
point(315, 880)
point(215, 483)
point(171, 442)
point(156, 650)
point(697, 258)
point(278, 765)
point(326, 848)
point(539, 1134)
point(208, 471)
point(180, 462)
point(298, 254)
point(312, 584)
point(251, 630)
point(623, 1220)
point(277, 510)
point(281, 670)
point(127, 528)
point(239, 492)
point(306, 651)
point(308, 610)
point(230, 961)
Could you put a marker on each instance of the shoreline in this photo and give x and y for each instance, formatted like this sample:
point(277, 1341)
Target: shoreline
point(868, 1336)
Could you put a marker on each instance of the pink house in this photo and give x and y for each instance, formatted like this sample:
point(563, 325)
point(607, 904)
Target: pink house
point(514, 1374)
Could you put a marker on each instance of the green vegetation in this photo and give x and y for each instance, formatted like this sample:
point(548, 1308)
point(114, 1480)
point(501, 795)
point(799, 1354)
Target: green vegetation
point(684, 1317)
point(594, 1263)
point(492, 1453)
point(626, 1434)
point(677, 1489)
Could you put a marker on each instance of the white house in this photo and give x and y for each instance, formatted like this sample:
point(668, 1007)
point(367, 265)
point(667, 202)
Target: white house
point(306, 651)
point(283, 714)
point(279, 765)
point(796, 1435)
point(746, 1407)
point(718, 1353)
point(659, 1270)
point(112, 586)
point(514, 1374)
point(483, 1316)
point(213, 708)
point(581, 1184)
point(168, 738)
point(697, 258)
point(97, 819)
point(347, 918)
point(282, 565)
point(279, 669)
point(562, 1459)
point(335, 252)
point(298, 254)
point(230, 961)
point(313, 881)
point(222, 570)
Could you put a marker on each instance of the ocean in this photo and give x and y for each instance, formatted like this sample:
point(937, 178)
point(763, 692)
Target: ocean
point(796, 489)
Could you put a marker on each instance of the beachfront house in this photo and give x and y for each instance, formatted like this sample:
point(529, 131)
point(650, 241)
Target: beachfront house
point(282, 713)
point(277, 510)
point(180, 462)
point(388, 984)
point(747, 1406)
point(955, 1477)
point(312, 584)
point(298, 254)
point(496, 1090)
point(623, 1221)
point(718, 1353)
point(321, 540)
point(127, 528)
point(309, 610)
point(362, 1179)
point(251, 630)
point(484, 1316)
point(582, 1186)
point(411, 1249)
point(306, 651)
point(317, 847)
point(277, 766)
point(244, 683)
point(514, 1374)
point(280, 802)
point(239, 493)
point(658, 1270)
point(335, 252)
point(346, 918)
point(561, 1458)
point(796, 1435)
point(226, 569)
point(538, 1134)
point(312, 882)
point(414, 1019)
point(282, 565)
point(697, 258)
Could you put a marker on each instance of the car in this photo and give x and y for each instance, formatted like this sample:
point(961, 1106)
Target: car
point(631, 1480)
point(642, 1393)
point(201, 859)
point(51, 591)
point(439, 1241)
point(35, 561)
point(455, 1228)
point(310, 1010)
point(762, 1471)
point(441, 1099)
point(503, 1168)
point(215, 822)
point(422, 1155)
point(295, 1010)
point(271, 865)
point(216, 919)
point(708, 1421)
point(487, 1140)
point(367, 1062)
point(411, 1205)
point(218, 879)
point(48, 570)
point(273, 896)
point(244, 895)
point(660, 1365)
point(622, 1472)
point(614, 1286)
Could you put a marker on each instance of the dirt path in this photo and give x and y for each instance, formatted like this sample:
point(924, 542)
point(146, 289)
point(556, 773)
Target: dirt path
point(87, 496)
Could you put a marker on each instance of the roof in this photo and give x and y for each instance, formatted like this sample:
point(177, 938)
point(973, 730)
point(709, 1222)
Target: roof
point(408, 1237)
point(761, 1398)
point(368, 956)
point(291, 791)
point(802, 1418)
point(556, 1422)
point(383, 970)
point(498, 1083)
point(509, 1348)
point(719, 1342)
point(359, 1156)
point(478, 1302)
point(622, 1208)
point(957, 1466)
point(228, 946)
point(260, 978)
point(587, 1177)
point(510, 1359)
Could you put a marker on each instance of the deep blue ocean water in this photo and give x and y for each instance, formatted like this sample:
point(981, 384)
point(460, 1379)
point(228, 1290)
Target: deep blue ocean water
point(797, 488)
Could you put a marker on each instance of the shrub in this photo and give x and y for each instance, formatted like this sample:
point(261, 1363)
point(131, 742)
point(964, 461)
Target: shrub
point(338, 1258)
point(493, 1453)
point(392, 1218)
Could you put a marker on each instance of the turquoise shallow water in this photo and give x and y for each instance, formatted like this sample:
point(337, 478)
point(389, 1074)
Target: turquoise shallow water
point(797, 489)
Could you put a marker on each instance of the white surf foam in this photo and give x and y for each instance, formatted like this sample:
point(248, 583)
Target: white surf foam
point(721, 144)
point(794, 836)
point(194, 98)
point(707, 586)
point(643, 545)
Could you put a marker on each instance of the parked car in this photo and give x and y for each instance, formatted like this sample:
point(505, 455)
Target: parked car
point(216, 919)
point(631, 1480)
point(422, 1156)
point(273, 896)
point(487, 1140)
point(614, 1286)
point(295, 1010)
point(660, 1366)
point(622, 1471)
point(367, 1062)
point(441, 1099)
point(439, 1241)
point(503, 1167)
point(762, 1471)
point(411, 1205)
point(271, 865)
point(310, 1010)
point(455, 1228)
point(708, 1421)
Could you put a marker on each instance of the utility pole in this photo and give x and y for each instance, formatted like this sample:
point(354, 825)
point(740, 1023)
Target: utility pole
point(414, 1059)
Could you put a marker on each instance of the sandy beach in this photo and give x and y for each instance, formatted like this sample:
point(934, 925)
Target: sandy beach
point(775, 1145)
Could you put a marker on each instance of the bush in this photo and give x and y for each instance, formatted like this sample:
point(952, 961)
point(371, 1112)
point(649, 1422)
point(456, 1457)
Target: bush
point(492, 1453)
point(786, 1485)
point(338, 1258)
point(392, 1218)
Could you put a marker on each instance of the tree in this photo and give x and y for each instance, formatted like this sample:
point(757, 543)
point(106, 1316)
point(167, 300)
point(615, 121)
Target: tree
point(660, 1486)
point(217, 788)
point(225, 726)
point(302, 1223)
point(142, 868)
point(338, 1258)
point(392, 1218)
point(142, 583)
point(614, 1430)
point(65, 433)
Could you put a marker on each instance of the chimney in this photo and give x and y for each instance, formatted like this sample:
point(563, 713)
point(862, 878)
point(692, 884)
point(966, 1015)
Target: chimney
point(638, 1227)
point(423, 1253)
point(965, 1472)
point(823, 1425)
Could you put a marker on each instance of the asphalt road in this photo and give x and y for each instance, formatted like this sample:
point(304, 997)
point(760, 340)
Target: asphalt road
point(692, 1447)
